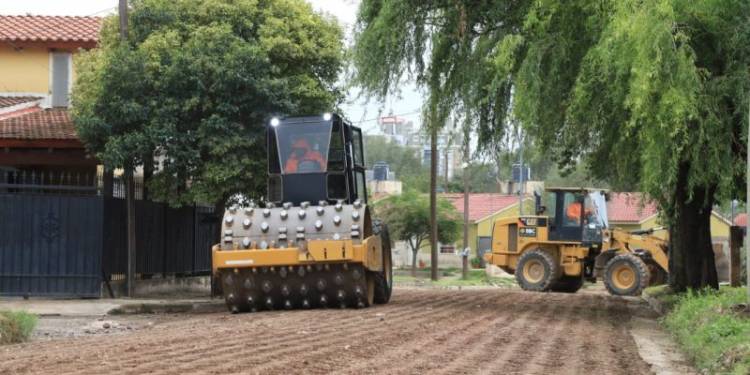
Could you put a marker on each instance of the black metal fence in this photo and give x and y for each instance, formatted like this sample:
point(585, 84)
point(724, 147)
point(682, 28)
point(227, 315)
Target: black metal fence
point(50, 245)
point(169, 240)
point(63, 182)
point(59, 236)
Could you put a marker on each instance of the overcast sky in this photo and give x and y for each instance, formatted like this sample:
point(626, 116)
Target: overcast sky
point(408, 104)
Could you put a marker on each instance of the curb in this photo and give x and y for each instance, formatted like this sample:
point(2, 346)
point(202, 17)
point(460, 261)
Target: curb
point(169, 308)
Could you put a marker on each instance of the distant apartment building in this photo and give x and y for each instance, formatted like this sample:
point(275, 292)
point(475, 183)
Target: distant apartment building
point(397, 129)
point(450, 155)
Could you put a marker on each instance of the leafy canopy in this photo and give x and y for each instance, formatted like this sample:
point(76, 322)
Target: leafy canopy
point(630, 89)
point(196, 82)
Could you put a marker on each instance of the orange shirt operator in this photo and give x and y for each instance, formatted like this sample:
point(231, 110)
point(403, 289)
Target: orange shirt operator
point(573, 211)
point(302, 152)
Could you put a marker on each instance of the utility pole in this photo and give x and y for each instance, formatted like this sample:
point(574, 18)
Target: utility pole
point(129, 178)
point(520, 172)
point(465, 250)
point(433, 201)
point(123, 12)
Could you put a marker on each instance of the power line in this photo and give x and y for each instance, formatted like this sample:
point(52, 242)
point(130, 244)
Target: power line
point(378, 118)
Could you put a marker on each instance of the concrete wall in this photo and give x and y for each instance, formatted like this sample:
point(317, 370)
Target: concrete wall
point(402, 257)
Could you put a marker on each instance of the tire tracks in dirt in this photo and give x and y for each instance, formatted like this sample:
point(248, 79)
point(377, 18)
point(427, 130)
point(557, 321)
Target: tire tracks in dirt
point(421, 331)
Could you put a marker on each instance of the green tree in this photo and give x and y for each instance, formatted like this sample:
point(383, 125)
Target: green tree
point(408, 218)
point(648, 95)
point(194, 85)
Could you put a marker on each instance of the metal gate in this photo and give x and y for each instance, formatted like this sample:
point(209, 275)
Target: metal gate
point(50, 245)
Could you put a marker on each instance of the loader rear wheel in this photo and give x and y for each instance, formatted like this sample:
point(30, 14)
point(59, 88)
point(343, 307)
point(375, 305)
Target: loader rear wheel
point(567, 284)
point(626, 275)
point(536, 270)
point(383, 280)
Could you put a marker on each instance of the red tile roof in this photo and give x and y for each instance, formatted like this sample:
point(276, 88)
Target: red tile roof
point(49, 29)
point(39, 124)
point(481, 205)
point(10, 101)
point(629, 207)
point(740, 220)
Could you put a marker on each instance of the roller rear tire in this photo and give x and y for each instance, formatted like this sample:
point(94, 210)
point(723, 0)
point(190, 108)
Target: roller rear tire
point(383, 280)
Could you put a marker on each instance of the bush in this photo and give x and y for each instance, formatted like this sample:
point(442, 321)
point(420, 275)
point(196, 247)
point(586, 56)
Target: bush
point(713, 329)
point(476, 262)
point(16, 326)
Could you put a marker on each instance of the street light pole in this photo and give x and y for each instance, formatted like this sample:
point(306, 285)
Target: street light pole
point(129, 178)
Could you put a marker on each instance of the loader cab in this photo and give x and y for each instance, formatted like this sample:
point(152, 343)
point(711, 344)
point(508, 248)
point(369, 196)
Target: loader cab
point(574, 215)
point(315, 158)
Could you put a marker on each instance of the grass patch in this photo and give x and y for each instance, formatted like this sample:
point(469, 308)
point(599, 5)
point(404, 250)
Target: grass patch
point(451, 277)
point(711, 329)
point(16, 326)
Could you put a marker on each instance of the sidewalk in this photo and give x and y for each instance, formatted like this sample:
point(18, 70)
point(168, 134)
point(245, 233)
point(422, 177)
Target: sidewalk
point(96, 307)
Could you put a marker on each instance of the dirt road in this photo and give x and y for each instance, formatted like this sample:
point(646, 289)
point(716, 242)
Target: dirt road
point(420, 331)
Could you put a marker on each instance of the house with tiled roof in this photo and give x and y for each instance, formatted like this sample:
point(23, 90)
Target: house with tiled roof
point(484, 209)
point(632, 211)
point(740, 219)
point(37, 70)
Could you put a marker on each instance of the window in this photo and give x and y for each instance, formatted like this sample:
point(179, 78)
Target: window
point(273, 154)
point(303, 149)
point(336, 150)
point(361, 190)
point(551, 207)
point(359, 158)
point(61, 66)
point(573, 210)
point(447, 249)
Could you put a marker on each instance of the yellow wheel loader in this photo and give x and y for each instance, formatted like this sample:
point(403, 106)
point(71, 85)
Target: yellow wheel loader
point(313, 243)
point(568, 241)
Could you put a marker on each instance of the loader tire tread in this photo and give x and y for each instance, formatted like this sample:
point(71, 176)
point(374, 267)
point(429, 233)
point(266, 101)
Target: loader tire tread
point(551, 270)
point(639, 270)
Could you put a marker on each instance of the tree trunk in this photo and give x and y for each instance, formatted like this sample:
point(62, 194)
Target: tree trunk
point(691, 255)
point(414, 262)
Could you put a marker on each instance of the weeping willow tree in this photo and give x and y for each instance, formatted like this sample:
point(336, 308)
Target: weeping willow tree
point(646, 95)
point(434, 44)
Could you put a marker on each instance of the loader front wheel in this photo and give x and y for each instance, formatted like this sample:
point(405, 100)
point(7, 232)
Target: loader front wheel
point(536, 270)
point(626, 275)
point(383, 280)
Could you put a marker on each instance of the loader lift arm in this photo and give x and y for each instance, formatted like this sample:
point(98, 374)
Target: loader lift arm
point(640, 240)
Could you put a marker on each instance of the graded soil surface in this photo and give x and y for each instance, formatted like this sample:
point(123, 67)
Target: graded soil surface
point(421, 331)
